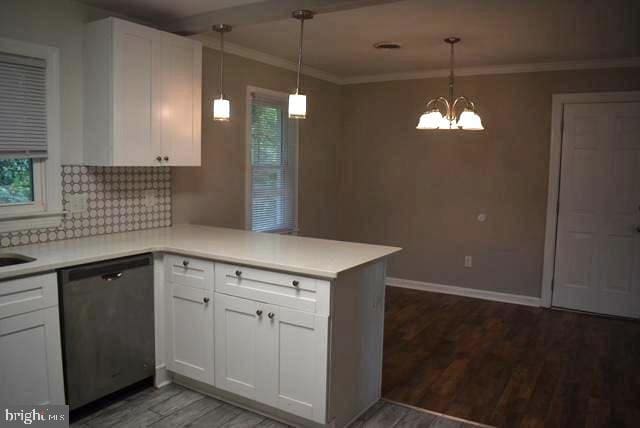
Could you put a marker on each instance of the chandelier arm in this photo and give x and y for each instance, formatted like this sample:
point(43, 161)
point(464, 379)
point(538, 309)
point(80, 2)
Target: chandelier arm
point(466, 100)
point(442, 100)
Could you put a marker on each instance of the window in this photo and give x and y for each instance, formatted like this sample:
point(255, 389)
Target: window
point(30, 187)
point(273, 160)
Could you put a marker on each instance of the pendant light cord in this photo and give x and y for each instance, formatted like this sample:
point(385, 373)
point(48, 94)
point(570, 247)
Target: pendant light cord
point(451, 76)
point(221, 64)
point(300, 56)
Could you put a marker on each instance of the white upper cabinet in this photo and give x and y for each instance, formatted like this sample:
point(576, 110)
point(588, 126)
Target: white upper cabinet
point(143, 90)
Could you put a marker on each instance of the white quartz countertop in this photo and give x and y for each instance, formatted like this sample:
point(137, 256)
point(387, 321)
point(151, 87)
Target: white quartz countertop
point(308, 256)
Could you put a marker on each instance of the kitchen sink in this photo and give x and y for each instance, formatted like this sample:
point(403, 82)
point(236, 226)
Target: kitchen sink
point(14, 259)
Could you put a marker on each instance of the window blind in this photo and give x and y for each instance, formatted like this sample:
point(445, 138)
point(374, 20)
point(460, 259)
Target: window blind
point(273, 166)
point(23, 107)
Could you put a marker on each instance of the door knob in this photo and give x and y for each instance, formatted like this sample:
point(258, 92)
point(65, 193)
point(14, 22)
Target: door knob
point(185, 263)
point(206, 300)
point(238, 273)
point(259, 312)
point(271, 315)
point(166, 158)
point(295, 283)
point(159, 158)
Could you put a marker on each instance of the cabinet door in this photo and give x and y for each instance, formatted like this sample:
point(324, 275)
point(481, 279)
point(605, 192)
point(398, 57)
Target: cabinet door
point(191, 332)
point(240, 349)
point(30, 358)
point(298, 366)
point(136, 92)
point(181, 101)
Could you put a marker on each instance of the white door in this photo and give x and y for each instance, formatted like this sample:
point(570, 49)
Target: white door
point(136, 89)
point(31, 359)
point(298, 363)
point(181, 101)
point(240, 349)
point(191, 332)
point(597, 265)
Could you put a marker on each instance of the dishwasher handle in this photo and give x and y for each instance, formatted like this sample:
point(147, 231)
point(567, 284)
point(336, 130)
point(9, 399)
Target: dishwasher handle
point(112, 276)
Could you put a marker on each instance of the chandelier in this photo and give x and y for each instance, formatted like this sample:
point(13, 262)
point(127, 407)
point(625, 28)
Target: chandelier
point(453, 118)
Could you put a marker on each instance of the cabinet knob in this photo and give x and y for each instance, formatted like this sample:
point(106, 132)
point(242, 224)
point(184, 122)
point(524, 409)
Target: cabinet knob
point(295, 283)
point(238, 272)
point(259, 312)
point(185, 263)
point(166, 158)
point(271, 315)
point(159, 158)
point(206, 300)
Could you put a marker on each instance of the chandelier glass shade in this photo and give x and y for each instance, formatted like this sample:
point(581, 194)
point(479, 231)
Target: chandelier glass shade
point(449, 112)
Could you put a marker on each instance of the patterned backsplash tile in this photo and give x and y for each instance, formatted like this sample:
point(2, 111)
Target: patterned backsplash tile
point(119, 199)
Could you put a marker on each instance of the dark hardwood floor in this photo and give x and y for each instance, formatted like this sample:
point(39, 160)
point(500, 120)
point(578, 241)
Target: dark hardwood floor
point(508, 365)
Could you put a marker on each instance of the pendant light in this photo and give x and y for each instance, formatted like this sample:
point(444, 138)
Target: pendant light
point(298, 101)
point(433, 118)
point(221, 106)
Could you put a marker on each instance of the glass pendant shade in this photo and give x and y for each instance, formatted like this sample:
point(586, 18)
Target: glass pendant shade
point(469, 120)
point(430, 120)
point(297, 106)
point(221, 109)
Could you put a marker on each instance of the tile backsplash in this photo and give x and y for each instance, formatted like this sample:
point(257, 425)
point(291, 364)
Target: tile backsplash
point(119, 199)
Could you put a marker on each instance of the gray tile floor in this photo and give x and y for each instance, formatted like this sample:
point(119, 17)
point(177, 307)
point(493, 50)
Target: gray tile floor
point(174, 406)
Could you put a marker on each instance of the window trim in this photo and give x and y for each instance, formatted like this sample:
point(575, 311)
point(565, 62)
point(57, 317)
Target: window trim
point(46, 211)
point(247, 177)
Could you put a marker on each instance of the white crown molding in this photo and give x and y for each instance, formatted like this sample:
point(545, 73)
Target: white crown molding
point(267, 59)
point(497, 69)
point(415, 75)
point(463, 291)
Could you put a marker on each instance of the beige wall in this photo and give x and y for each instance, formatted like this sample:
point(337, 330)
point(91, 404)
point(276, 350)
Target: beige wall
point(215, 194)
point(423, 190)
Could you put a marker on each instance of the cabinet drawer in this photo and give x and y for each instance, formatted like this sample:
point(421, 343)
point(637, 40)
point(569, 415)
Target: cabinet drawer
point(293, 291)
point(18, 296)
point(189, 271)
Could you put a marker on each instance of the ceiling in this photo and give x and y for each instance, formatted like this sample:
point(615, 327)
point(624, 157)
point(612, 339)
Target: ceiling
point(493, 32)
point(165, 10)
point(340, 43)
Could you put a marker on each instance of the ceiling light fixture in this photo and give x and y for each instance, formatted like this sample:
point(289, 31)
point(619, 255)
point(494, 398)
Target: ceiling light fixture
point(298, 101)
point(387, 45)
point(221, 106)
point(433, 118)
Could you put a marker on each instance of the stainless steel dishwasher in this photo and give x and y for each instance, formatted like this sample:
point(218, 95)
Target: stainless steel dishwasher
point(107, 322)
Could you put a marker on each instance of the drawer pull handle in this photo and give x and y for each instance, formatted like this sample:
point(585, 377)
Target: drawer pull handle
point(238, 273)
point(271, 315)
point(295, 283)
point(185, 263)
point(259, 312)
point(205, 300)
point(159, 158)
point(166, 158)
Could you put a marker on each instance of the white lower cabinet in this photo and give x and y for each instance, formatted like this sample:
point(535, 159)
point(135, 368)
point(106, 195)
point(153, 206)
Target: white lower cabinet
point(190, 324)
point(271, 354)
point(30, 346)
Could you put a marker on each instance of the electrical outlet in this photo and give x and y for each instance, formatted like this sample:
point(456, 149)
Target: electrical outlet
point(77, 202)
point(468, 261)
point(149, 198)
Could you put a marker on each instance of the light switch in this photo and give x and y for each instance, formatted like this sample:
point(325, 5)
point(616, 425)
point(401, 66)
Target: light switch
point(468, 261)
point(77, 202)
point(150, 198)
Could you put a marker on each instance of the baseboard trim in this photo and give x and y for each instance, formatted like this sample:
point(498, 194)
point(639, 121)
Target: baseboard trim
point(463, 291)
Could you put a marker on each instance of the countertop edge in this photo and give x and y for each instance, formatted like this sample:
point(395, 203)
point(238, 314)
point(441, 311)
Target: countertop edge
point(25, 269)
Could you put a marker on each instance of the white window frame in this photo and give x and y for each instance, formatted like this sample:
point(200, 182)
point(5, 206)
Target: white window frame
point(248, 172)
point(46, 209)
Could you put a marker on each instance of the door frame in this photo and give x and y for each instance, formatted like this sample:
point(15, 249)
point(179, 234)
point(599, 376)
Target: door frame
point(559, 101)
